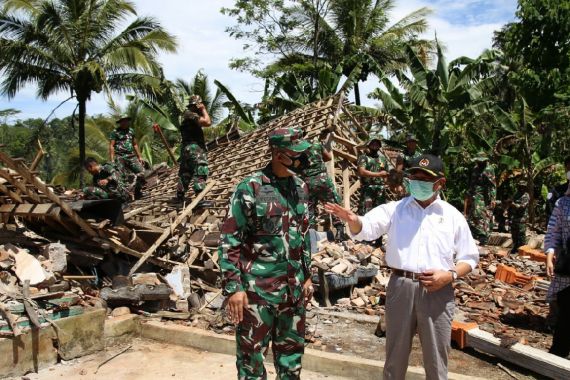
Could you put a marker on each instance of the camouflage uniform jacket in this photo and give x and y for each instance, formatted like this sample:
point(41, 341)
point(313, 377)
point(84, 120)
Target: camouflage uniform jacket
point(316, 163)
point(483, 185)
point(374, 164)
point(123, 141)
point(406, 157)
point(518, 210)
point(109, 172)
point(264, 248)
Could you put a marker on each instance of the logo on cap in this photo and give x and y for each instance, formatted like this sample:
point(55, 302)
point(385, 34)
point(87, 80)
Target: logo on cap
point(424, 162)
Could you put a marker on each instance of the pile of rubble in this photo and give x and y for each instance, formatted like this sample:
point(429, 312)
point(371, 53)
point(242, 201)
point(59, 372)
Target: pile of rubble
point(34, 289)
point(346, 258)
point(506, 295)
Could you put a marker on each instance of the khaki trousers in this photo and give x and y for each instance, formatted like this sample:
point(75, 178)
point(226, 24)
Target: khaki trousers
point(410, 309)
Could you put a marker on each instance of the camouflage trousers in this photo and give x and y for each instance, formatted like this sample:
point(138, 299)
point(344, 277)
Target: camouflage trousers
point(193, 169)
point(131, 164)
point(518, 233)
point(95, 192)
point(480, 220)
point(370, 197)
point(284, 325)
point(321, 189)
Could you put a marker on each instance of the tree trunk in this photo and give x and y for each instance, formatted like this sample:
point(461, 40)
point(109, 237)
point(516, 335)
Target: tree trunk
point(356, 94)
point(82, 111)
point(436, 140)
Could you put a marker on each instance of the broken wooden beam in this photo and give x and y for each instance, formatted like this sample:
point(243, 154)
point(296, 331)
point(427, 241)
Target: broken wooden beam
point(525, 356)
point(168, 231)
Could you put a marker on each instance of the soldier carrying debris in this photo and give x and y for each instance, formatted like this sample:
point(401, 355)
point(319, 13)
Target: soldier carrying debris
point(107, 182)
point(480, 199)
point(265, 260)
point(193, 157)
point(372, 169)
point(124, 152)
point(321, 187)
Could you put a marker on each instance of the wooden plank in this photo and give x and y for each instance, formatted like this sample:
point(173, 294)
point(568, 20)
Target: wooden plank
point(24, 209)
point(23, 171)
point(7, 208)
point(346, 156)
point(525, 356)
point(355, 186)
point(346, 188)
point(172, 227)
point(14, 196)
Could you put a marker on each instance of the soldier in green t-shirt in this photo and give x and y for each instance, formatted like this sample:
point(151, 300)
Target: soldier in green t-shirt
point(124, 152)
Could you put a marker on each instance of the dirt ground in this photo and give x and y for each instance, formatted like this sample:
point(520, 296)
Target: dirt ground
point(152, 360)
point(346, 336)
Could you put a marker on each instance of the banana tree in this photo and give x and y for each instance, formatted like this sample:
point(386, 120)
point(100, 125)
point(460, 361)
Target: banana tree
point(518, 153)
point(447, 104)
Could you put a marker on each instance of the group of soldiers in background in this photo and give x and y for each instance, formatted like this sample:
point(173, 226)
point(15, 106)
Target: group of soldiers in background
point(123, 177)
point(111, 179)
point(481, 204)
point(124, 173)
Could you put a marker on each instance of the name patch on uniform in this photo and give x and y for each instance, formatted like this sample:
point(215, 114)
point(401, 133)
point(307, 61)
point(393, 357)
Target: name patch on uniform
point(267, 194)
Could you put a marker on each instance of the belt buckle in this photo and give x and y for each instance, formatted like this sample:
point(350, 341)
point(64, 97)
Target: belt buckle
point(414, 277)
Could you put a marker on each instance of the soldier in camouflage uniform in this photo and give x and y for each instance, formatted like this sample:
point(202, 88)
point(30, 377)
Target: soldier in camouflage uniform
point(124, 152)
point(321, 187)
point(480, 198)
point(409, 153)
point(518, 212)
point(265, 261)
point(107, 182)
point(193, 153)
point(372, 169)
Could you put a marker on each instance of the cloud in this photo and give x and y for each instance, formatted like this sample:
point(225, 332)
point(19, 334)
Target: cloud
point(465, 27)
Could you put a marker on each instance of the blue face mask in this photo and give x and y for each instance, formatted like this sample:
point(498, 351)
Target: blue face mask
point(420, 190)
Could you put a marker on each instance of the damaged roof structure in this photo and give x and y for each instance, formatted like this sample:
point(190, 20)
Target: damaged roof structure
point(177, 244)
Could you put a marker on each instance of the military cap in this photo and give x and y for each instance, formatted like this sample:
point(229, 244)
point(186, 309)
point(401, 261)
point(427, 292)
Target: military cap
point(195, 99)
point(429, 164)
point(122, 117)
point(481, 156)
point(288, 138)
point(522, 183)
point(411, 137)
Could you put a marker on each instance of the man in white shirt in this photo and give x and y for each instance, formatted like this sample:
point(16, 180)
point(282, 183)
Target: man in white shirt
point(429, 246)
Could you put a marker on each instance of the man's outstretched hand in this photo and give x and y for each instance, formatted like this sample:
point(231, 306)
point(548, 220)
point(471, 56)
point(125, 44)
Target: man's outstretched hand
point(345, 215)
point(342, 213)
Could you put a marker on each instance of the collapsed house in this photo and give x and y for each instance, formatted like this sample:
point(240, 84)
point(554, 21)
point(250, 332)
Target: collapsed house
point(161, 259)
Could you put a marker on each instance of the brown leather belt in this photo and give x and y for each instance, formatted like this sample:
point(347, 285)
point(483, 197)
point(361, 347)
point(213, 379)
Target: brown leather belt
point(404, 273)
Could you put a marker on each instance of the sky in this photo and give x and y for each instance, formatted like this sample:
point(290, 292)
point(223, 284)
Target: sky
point(465, 27)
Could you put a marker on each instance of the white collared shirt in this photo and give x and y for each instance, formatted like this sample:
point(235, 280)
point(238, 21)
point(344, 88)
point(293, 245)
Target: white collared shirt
point(421, 239)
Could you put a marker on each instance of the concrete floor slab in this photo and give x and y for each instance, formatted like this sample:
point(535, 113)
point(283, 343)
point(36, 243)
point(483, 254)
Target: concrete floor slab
point(148, 360)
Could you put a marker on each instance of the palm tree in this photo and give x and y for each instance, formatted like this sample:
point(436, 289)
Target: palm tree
point(358, 32)
point(76, 46)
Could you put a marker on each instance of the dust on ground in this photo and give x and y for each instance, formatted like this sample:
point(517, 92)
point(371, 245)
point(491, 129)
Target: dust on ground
point(350, 337)
point(148, 360)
